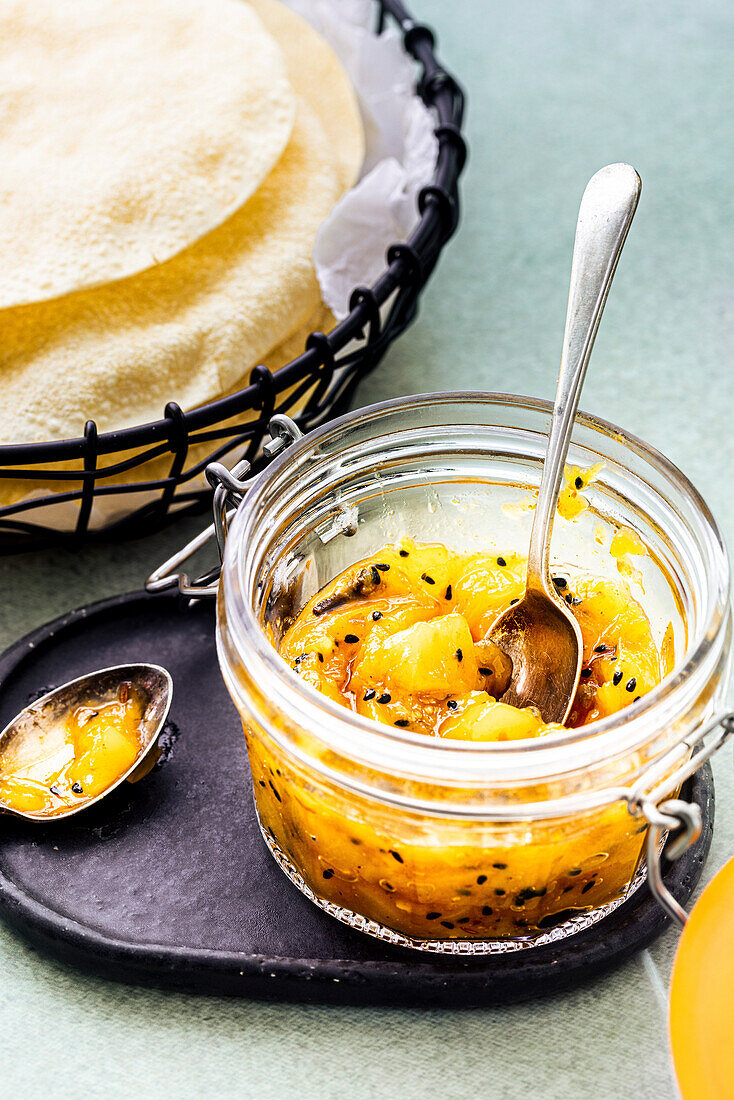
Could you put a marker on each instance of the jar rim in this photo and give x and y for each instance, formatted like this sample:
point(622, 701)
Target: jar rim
point(368, 740)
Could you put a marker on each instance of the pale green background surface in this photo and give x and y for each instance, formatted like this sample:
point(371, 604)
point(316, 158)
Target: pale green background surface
point(557, 89)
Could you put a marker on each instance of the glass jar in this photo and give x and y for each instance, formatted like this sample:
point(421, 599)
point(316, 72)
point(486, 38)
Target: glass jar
point(448, 845)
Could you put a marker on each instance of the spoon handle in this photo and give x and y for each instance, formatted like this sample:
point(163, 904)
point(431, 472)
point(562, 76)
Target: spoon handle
point(607, 208)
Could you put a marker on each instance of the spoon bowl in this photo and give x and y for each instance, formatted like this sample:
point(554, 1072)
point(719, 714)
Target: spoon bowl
point(543, 641)
point(39, 730)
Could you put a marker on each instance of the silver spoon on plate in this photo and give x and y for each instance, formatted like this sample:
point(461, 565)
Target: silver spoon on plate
point(36, 742)
point(539, 633)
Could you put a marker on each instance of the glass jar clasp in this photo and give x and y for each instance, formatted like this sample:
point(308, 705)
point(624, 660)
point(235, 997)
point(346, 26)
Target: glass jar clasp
point(230, 487)
point(679, 819)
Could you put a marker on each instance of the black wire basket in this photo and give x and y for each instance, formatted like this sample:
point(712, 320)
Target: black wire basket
point(320, 382)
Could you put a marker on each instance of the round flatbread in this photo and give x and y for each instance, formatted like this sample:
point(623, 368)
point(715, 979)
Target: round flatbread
point(318, 77)
point(127, 132)
point(109, 508)
point(184, 330)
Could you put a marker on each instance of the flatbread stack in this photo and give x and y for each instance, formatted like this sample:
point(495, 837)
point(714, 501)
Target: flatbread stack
point(164, 168)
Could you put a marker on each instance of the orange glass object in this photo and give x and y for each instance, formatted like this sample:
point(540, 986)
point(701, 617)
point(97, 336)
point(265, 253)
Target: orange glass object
point(702, 995)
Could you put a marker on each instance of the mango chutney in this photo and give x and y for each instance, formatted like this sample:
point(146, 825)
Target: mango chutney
point(100, 742)
point(398, 638)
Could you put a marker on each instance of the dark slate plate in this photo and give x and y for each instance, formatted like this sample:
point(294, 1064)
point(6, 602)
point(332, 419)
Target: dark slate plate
point(168, 882)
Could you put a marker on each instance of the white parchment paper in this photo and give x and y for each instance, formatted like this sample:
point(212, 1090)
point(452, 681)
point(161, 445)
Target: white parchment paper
point(400, 156)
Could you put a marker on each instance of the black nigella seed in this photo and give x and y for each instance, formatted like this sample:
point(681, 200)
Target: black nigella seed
point(459, 655)
point(485, 671)
point(402, 722)
point(487, 911)
point(579, 483)
point(328, 874)
point(430, 916)
point(385, 697)
point(261, 782)
point(376, 615)
point(499, 892)
point(396, 855)
point(600, 648)
point(369, 695)
point(574, 601)
point(382, 566)
point(448, 593)
point(586, 672)
point(57, 792)
point(427, 579)
point(375, 575)
point(585, 889)
point(514, 601)
point(451, 704)
point(481, 879)
point(463, 920)
point(500, 866)
point(77, 788)
point(321, 658)
point(273, 790)
point(351, 639)
point(528, 893)
point(501, 562)
point(575, 871)
point(560, 582)
point(631, 683)
point(404, 553)
point(636, 698)
point(567, 888)
point(447, 924)
point(616, 679)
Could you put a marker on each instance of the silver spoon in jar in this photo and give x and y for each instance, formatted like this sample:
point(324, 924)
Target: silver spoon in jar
point(539, 633)
point(36, 737)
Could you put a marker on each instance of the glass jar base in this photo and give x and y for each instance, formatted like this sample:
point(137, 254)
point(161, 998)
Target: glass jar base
point(379, 931)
